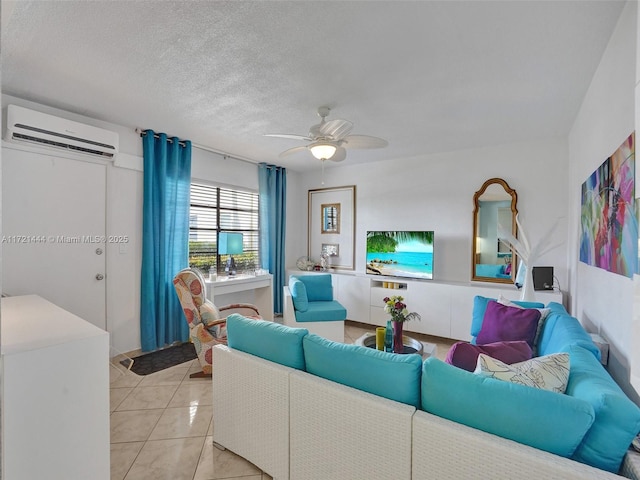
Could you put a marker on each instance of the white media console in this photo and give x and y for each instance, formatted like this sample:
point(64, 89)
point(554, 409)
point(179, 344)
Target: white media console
point(445, 307)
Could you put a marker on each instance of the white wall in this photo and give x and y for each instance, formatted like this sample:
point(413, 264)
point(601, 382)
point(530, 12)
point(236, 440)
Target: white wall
point(601, 300)
point(435, 192)
point(296, 230)
point(124, 217)
point(634, 354)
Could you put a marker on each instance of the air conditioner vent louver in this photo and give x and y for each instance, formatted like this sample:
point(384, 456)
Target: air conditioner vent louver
point(41, 141)
point(33, 127)
point(61, 135)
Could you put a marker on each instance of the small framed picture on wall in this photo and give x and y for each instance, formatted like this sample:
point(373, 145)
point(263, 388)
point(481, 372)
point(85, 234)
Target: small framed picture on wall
point(331, 225)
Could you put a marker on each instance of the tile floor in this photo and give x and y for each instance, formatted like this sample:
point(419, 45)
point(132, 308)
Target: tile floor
point(161, 424)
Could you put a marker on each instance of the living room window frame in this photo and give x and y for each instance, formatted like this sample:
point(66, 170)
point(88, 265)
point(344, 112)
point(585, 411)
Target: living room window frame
point(248, 207)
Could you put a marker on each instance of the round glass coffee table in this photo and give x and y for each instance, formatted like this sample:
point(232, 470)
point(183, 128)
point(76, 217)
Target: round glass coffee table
point(411, 345)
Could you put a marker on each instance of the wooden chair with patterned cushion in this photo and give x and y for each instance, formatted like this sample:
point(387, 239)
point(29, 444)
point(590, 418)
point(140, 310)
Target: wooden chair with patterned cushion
point(207, 327)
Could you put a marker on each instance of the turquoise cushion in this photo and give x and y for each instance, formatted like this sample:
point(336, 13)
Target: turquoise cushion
point(322, 312)
point(539, 418)
point(617, 418)
point(298, 294)
point(479, 307)
point(557, 308)
point(268, 340)
point(396, 377)
point(319, 288)
point(560, 331)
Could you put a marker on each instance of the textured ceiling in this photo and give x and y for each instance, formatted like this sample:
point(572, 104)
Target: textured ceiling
point(428, 76)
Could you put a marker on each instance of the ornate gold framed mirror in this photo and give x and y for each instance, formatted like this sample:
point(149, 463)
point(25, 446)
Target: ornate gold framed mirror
point(492, 260)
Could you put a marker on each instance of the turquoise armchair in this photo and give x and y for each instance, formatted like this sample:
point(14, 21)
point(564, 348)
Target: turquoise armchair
point(309, 303)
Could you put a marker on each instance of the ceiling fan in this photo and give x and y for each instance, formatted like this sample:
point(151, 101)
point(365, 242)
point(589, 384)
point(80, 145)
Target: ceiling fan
point(329, 139)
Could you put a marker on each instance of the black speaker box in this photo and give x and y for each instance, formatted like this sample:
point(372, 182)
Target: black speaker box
point(543, 278)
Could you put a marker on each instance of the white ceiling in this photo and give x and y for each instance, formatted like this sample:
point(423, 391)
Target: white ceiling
point(428, 76)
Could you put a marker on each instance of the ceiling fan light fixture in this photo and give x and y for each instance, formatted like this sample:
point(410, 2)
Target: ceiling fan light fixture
point(329, 139)
point(323, 151)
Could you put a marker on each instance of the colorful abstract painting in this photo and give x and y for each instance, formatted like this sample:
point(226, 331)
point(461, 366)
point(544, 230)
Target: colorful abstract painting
point(609, 233)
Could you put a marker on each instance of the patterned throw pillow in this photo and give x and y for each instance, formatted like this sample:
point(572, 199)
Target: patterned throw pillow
point(550, 372)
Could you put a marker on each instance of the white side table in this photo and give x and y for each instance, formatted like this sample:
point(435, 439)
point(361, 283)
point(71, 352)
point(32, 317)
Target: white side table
point(260, 285)
point(428, 349)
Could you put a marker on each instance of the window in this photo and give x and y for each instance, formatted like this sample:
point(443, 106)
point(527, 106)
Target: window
point(214, 210)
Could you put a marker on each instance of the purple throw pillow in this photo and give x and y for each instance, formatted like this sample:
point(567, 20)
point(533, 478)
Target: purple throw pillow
point(465, 355)
point(504, 324)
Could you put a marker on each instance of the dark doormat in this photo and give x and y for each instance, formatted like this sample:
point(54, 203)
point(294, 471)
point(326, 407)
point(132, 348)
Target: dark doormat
point(161, 359)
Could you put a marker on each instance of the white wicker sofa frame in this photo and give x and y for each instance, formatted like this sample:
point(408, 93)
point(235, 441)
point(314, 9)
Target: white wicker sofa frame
point(294, 425)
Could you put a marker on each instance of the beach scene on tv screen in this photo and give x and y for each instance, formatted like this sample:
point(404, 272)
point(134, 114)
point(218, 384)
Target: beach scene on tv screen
point(400, 254)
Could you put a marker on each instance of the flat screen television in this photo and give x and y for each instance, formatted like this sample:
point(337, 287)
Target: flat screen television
point(400, 254)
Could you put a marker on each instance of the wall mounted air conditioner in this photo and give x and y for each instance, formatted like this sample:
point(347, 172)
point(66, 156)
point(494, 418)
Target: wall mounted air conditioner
point(30, 126)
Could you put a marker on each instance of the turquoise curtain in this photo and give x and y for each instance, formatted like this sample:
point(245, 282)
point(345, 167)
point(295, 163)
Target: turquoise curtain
point(165, 238)
point(272, 181)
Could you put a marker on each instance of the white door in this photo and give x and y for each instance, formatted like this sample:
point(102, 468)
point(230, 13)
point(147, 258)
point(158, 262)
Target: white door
point(53, 231)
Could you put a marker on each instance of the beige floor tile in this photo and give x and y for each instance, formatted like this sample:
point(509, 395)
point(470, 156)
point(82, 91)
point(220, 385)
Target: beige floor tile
point(115, 371)
point(120, 378)
point(117, 395)
point(217, 464)
point(122, 457)
point(134, 425)
point(169, 376)
point(181, 422)
point(195, 367)
point(133, 353)
point(354, 330)
point(443, 344)
point(142, 398)
point(173, 459)
point(193, 393)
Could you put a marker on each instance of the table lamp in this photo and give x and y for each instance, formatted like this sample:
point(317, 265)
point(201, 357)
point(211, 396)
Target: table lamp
point(230, 244)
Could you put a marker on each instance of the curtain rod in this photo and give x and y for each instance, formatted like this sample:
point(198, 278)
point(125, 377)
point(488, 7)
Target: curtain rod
point(205, 148)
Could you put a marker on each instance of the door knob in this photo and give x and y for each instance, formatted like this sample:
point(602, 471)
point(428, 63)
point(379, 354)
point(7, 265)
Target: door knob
point(99, 276)
point(98, 251)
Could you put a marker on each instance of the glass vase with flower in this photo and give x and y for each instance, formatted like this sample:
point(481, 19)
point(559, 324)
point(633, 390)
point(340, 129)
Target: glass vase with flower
point(396, 307)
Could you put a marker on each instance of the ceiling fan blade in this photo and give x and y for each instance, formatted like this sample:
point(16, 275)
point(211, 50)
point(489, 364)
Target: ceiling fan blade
point(364, 141)
point(289, 135)
point(340, 155)
point(293, 150)
point(336, 129)
point(314, 131)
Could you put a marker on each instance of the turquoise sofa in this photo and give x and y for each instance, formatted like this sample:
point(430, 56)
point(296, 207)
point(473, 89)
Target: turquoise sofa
point(492, 271)
point(616, 420)
point(592, 425)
